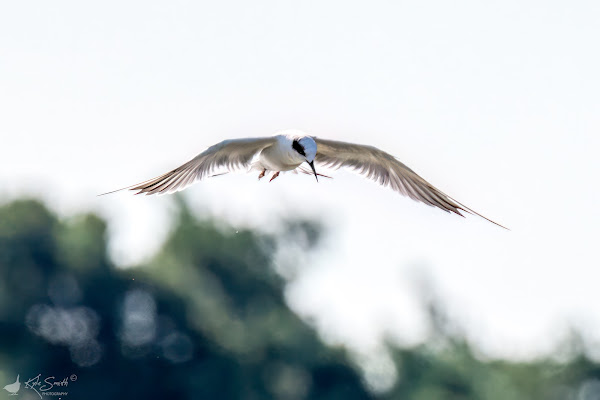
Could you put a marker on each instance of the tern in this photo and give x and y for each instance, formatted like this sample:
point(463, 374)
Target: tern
point(287, 151)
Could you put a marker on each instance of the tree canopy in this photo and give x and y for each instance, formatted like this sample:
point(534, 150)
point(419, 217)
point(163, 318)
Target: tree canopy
point(206, 318)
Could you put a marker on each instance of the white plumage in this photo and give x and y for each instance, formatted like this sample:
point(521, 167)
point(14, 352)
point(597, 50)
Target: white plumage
point(286, 151)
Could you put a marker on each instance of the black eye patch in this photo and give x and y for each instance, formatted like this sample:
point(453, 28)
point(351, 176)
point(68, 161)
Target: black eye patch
point(298, 147)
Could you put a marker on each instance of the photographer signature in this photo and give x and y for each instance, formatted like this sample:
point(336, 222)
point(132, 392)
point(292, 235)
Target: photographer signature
point(46, 385)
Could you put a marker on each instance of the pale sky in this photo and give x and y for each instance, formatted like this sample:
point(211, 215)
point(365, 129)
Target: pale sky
point(495, 103)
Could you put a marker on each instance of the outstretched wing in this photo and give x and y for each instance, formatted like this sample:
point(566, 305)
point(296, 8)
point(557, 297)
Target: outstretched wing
point(227, 155)
point(388, 171)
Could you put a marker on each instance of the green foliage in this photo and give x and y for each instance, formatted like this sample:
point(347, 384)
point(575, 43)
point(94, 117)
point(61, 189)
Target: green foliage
point(206, 318)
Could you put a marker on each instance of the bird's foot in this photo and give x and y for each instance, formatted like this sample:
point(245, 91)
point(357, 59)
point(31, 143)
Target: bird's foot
point(275, 175)
point(262, 174)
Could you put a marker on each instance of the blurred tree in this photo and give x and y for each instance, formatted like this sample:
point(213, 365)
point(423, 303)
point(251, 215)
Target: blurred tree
point(206, 319)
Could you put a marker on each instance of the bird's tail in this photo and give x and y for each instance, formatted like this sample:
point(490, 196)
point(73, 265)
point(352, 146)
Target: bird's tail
point(308, 172)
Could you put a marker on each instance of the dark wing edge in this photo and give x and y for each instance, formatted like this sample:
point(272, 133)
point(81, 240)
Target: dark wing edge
point(388, 171)
point(230, 155)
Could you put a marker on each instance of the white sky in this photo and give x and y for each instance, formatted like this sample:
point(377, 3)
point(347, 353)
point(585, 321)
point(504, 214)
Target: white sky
point(495, 103)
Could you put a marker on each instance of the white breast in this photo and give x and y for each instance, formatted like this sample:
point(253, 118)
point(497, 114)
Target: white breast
point(280, 157)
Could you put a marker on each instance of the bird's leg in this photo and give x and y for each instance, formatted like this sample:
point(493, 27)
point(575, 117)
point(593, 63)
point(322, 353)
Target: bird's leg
point(262, 174)
point(275, 175)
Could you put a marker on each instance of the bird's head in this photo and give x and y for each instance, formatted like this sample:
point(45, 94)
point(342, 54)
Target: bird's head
point(307, 148)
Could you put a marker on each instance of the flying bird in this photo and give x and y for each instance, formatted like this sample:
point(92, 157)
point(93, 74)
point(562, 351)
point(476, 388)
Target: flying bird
point(13, 388)
point(287, 151)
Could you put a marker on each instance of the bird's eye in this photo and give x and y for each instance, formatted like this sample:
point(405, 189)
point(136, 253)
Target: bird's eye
point(298, 147)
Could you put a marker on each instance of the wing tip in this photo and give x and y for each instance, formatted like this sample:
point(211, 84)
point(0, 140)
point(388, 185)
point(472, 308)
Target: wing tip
point(111, 192)
point(466, 209)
